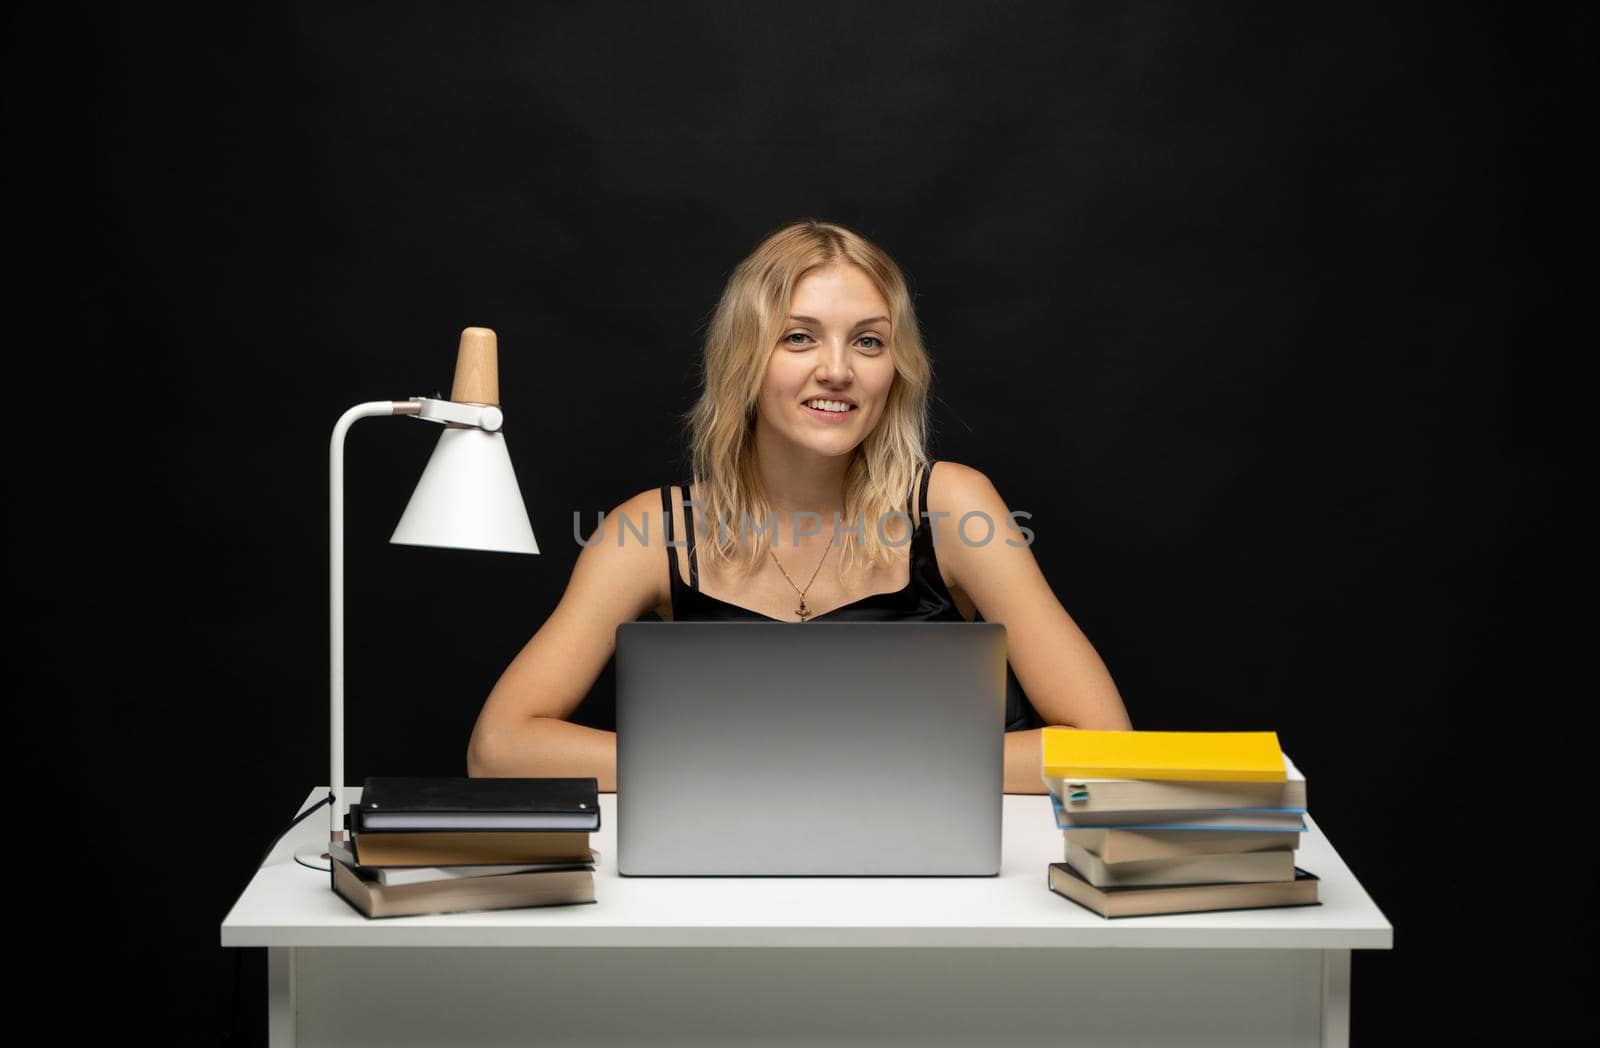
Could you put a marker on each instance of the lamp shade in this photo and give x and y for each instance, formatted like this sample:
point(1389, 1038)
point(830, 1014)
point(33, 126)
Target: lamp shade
point(468, 497)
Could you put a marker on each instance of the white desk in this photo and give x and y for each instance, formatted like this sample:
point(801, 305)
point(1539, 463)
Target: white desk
point(837, 961)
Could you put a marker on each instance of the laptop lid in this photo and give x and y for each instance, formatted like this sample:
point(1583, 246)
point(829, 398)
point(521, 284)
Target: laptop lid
point(820, 748)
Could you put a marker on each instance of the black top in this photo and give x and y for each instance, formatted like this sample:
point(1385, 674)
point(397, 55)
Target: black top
point(925, 598)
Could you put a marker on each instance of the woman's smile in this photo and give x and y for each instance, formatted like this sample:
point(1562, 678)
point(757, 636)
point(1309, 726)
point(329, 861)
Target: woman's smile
point(829, 412)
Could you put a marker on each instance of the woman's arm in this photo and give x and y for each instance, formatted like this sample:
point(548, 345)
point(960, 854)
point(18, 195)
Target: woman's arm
point(522, 730)
point(1054, 662)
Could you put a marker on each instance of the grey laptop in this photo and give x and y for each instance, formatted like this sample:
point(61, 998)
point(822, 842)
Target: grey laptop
point(819, 748)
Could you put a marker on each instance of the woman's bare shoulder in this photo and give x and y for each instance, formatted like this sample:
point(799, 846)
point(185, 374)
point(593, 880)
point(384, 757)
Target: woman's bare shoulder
point(638, 522)
point(624, 553)
point(955, 488)
point(646, 513)
point(963, 504)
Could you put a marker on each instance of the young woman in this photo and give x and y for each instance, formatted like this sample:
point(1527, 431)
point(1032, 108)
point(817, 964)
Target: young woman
point(813, 499)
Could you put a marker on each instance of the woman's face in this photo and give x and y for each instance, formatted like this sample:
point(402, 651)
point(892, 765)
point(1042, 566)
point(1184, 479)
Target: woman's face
point(834, 347)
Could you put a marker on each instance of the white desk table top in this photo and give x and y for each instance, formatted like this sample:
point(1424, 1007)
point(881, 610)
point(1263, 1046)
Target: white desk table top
point(287, 904)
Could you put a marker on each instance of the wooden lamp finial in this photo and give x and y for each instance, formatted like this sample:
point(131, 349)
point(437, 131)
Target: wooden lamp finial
point(477, 368)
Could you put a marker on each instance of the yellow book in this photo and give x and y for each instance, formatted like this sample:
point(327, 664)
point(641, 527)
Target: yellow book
point(1196, 756)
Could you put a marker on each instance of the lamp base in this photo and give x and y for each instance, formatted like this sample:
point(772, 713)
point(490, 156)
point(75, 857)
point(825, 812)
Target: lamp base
point(314, 856)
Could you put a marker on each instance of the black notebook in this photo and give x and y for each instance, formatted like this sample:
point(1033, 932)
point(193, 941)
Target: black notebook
point(412, 805)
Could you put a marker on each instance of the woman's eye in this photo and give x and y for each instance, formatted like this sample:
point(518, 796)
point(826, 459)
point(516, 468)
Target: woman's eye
point(800, 338)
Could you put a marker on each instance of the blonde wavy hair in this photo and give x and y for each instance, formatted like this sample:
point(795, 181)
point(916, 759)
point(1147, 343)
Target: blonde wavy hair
point(740, 339)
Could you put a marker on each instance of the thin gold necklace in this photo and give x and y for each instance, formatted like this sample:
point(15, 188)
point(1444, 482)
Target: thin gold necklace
point(802, 610)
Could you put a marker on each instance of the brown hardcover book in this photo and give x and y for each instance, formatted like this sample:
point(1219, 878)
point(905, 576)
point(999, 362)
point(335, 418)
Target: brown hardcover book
point(470, 847)
point(1190, 869)
point(1114, 846)
point(360, 888)
point(1185, 898)
point(342, 851)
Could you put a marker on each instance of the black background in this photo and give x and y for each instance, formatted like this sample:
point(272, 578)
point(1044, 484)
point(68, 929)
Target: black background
point(1250, 306)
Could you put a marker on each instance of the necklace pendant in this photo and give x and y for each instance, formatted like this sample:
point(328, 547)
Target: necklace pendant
point(802, 610)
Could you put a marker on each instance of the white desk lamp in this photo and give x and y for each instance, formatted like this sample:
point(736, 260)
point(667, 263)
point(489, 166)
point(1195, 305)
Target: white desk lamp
point(467, 499)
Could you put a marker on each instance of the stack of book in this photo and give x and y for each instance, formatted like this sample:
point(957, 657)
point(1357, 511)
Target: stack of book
point(1176, 822)
point(446, 845)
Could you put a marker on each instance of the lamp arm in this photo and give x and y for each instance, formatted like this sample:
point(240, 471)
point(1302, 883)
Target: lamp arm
point(487, 417)
point(371, 409)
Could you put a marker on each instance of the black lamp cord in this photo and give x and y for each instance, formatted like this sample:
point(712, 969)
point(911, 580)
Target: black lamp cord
point(232, 1036)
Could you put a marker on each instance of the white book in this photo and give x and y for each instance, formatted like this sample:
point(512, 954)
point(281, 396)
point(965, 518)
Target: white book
point(423, 874)
point(1107, 795)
